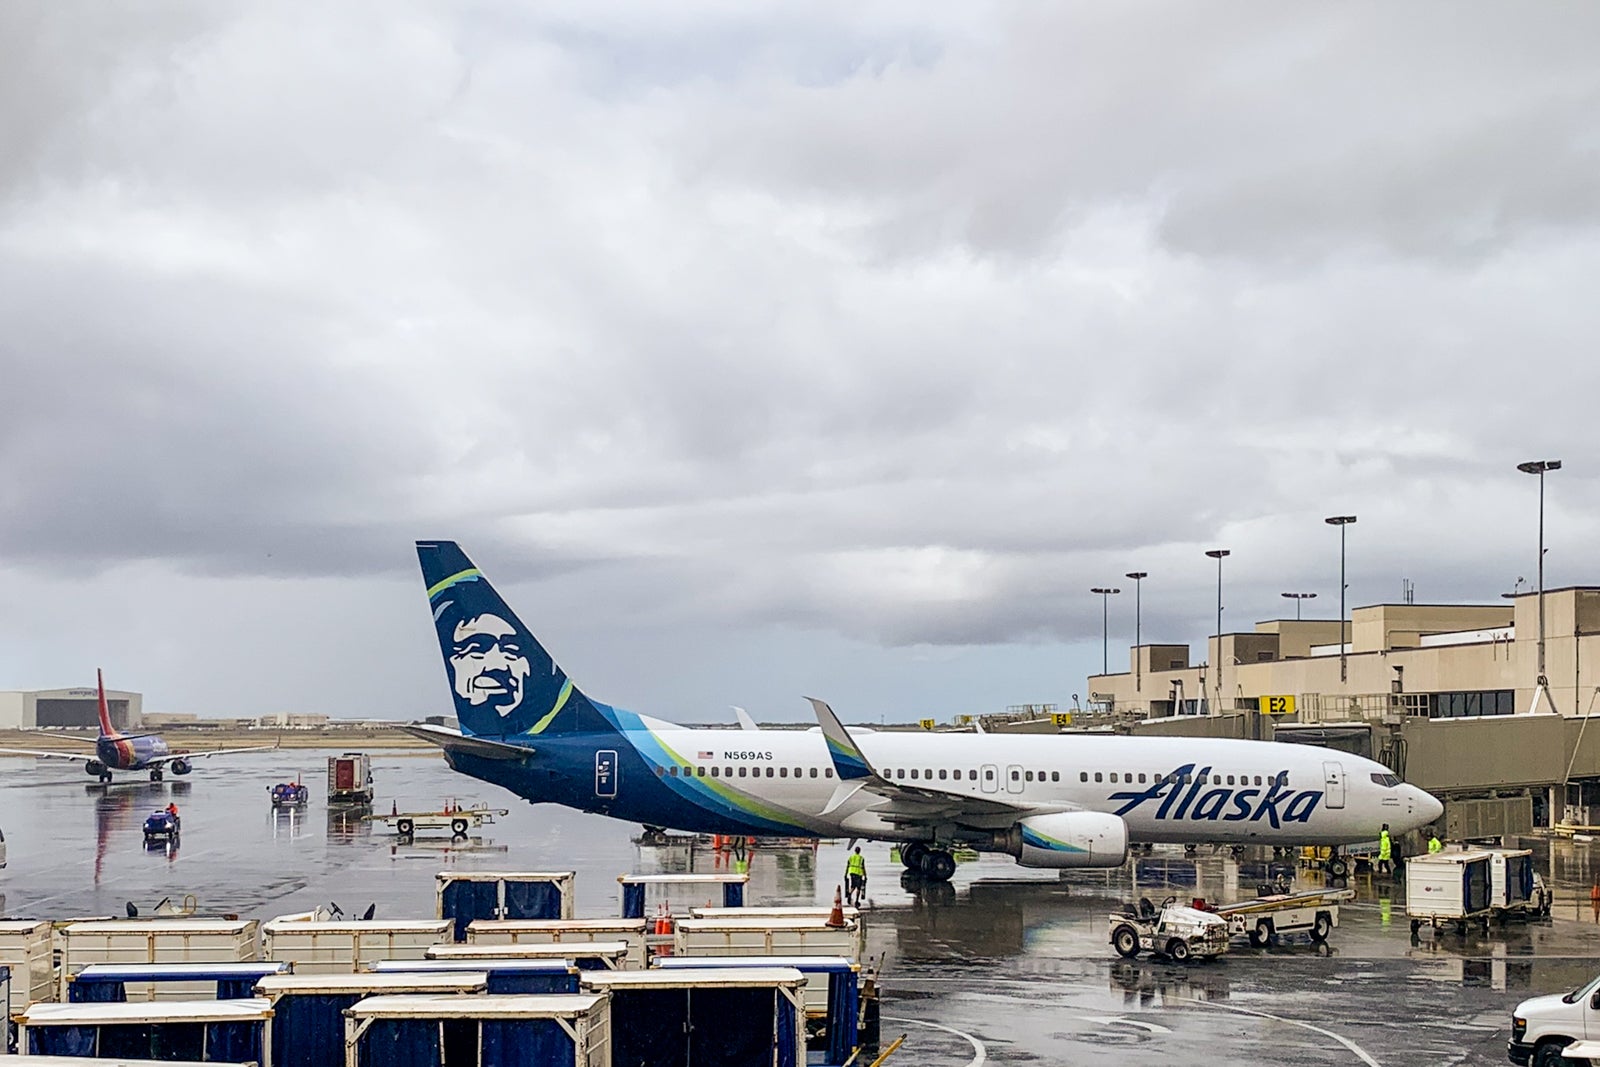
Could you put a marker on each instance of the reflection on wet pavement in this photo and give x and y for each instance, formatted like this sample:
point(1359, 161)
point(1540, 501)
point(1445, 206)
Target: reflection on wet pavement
point(1016, 960)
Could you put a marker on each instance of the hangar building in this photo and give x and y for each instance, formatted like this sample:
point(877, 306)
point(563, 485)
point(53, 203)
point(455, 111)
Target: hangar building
point(31, 710)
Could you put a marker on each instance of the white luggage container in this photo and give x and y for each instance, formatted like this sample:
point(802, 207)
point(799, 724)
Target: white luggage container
point(25, 947)
point(768, 937)
point(1448, 887)
point(317, 947)
point(559, 931)
point(589, 955)
point(227, 1031)
point(527, 1028)
point(154, 941)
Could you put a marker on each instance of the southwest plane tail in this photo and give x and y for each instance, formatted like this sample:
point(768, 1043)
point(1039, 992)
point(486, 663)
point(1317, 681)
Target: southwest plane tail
point(505, 685)
point(106, 729)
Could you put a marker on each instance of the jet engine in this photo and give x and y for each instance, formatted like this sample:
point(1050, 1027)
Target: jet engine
point(180, 766)
point(94, 768)
point(1067, 839)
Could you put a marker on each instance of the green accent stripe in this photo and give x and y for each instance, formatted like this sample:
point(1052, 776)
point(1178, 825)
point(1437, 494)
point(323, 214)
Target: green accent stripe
point(460, 576)
point(561, 701)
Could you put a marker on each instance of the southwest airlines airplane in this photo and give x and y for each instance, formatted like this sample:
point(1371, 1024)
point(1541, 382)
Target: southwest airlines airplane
point(117, 751)
point(1059, 800)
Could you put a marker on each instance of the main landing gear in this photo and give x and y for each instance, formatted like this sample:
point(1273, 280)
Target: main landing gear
point(934, 864)
point(156, 774)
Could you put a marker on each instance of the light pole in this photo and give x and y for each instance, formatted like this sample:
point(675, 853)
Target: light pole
point(1341, 521)
point(1138, 590)
point(1218, 554)
point(1541, 467)
point(1297, 598)
point(1105, 625)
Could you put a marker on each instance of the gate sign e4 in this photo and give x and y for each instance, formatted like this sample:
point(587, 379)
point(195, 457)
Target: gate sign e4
point(1280, 705)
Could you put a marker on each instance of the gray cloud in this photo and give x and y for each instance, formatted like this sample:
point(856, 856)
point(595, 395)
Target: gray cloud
point(853, 332)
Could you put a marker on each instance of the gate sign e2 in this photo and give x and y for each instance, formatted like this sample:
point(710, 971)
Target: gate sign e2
point(1282, 705)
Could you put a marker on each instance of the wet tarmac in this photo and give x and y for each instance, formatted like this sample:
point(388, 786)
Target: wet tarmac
point(1003, 965)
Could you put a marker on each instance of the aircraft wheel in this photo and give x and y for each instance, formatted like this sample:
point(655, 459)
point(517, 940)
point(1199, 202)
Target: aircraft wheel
point(1126, 942)
point(1337, 867)
point(155, 774)
point(939, 865)
point(911, 855)
point(105, 779)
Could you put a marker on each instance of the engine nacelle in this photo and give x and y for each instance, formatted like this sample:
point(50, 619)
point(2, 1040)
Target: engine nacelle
point(1067, 839)
point(94, 768)
point(180, 766)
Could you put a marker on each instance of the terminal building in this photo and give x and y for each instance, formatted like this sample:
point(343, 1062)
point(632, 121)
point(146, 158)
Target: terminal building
point(37, 709)
point(1448, 696)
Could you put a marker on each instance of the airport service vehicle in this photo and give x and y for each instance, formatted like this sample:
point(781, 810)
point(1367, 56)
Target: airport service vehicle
point(350, 778)
point(1051, 801)
point(456, 818)
point(1175, 930)
point(160, 827)
point(117, 751)
point(1449, 887)
point(290, 795)
point(1314, 912)
point(1543, 1027)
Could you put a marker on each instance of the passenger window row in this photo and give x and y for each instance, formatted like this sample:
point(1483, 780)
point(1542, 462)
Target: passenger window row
point(742, 772)
point(1129, 777)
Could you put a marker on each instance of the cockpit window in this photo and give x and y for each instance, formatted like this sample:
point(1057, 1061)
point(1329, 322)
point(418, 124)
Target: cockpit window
point(1388, 781)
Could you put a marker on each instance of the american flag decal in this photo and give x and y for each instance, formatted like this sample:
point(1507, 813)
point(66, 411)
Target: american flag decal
point(704, 755)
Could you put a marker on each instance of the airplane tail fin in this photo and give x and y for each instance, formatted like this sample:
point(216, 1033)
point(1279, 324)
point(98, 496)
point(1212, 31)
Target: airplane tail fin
point(106, 729)
point(503, 681)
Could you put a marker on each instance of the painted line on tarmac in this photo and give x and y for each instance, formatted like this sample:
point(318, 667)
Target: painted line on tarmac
point(1345, 1041)
point(1108, 1020)
point(980, 1055)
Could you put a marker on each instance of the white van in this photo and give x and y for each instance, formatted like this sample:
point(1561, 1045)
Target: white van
point(1541, 1027)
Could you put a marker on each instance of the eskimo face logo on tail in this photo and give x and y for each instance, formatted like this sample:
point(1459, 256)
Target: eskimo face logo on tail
point(1198, 796)
point(492, 661)
point(487, 663)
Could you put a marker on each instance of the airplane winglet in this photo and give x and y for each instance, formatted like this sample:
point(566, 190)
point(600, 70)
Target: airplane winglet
point(848, 759)
point(745, 721)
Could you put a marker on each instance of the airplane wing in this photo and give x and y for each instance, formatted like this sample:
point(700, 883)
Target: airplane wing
point(454, 741)
point(911, 805)
point(191, 756)
point(84, 757)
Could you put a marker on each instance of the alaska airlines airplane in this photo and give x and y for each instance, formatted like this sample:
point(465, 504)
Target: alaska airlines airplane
point(1057, 800)
point(117, 751)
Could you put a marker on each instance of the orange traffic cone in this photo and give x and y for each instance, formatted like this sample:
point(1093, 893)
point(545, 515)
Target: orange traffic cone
point(836, 916)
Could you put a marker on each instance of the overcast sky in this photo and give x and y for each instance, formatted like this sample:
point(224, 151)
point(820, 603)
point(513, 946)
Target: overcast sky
point(762, 350)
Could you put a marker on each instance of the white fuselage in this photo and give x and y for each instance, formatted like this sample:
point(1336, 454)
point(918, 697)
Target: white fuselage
point(1178, 790)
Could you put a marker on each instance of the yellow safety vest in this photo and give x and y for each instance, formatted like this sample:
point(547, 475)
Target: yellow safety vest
point(1434, 845)
point(857, 864)
point(1385, 849)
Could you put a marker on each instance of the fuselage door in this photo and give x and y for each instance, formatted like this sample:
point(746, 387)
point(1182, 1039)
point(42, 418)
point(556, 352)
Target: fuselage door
point(605, 773)
point(1333, 783)
point(991, 778)
point(1014, 778)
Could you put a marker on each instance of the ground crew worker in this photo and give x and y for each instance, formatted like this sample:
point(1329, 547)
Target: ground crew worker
point(855, 868)
point(1385, 851)
point(1434, 844)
